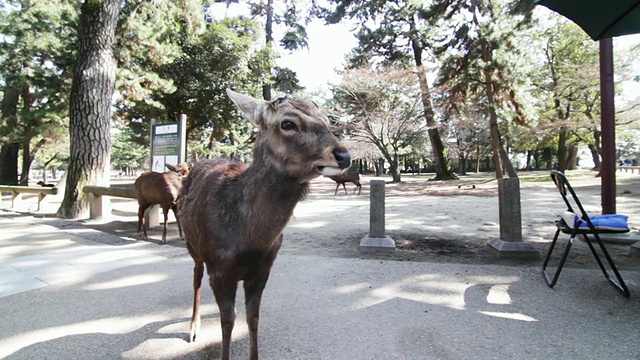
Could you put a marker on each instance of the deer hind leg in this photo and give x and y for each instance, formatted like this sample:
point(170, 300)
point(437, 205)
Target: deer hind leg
point(359, 188)
point(253, 294)
point(141, 209)
point(198, 272)
point(337, 187)
point(175, 213)
point(225, 294)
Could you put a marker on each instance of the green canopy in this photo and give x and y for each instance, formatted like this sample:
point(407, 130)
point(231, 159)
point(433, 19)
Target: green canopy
point(599, 19)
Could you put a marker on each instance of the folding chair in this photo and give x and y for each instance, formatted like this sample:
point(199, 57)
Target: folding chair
point(584, 225)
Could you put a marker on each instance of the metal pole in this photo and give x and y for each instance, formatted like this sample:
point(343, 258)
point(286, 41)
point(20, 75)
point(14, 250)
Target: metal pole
point(608, 126)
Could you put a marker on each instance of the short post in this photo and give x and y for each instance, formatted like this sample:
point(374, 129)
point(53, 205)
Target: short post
point(510, 242)
point(96, 206)
point(377, 240)
point(16, 199)
point(152, 216)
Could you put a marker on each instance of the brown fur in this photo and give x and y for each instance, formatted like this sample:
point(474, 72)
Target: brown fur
point(163, 189)
point(345, 178)
point(233, 214)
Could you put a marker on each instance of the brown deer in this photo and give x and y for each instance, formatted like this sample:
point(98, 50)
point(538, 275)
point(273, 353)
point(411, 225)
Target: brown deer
point(345, 178)
point(234, 215)
point(163, 189)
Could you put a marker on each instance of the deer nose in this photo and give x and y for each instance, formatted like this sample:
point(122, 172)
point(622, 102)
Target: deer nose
point(343, 158)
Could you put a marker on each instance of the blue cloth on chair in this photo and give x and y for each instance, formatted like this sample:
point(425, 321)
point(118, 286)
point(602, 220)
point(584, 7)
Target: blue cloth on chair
point(610, 222)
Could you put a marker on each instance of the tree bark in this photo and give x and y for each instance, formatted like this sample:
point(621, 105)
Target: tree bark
point(90, 105)
point(500, 156)
point(595, 148)
point(9, 151)
point(443, 168)
point(28, 155)
point(562, 149)
point(266, 88)
point(572, 157)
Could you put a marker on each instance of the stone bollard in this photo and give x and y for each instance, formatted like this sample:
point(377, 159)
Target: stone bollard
point(510, 243)
point(377, 240)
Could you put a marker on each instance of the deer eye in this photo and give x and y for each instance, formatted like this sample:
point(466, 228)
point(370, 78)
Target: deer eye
point(288, 125)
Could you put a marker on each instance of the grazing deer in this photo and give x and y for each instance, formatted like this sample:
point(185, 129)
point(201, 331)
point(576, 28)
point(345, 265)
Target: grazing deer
point(344, 178)
point(163, 189)
point(233, 215)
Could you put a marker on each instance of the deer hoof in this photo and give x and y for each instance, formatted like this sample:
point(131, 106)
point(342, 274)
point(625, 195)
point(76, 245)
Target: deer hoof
point(193, 333)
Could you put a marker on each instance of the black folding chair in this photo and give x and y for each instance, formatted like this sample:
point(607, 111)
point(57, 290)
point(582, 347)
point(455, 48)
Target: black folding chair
point(562, 226)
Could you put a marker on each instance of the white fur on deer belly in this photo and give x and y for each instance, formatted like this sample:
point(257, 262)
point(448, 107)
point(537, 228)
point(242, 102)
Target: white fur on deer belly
point(331, 171)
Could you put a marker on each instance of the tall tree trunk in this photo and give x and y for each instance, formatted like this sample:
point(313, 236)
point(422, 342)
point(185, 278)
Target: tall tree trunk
point(9, 151)
point(443, 168)
point(394, 168)
point(562, 149)
point(500, 156)
point(595, 148)
point(595, 157)
point(90, 104)
point(572, 157)
point(28, 155)
point(266, 88)
point(548, 156)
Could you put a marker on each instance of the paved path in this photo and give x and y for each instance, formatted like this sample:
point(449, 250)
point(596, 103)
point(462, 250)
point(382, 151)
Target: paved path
point(73, 293)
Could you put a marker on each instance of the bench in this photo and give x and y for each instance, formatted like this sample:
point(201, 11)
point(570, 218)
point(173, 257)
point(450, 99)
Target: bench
point(98, 207)
point(627, 168)
point(18, 191)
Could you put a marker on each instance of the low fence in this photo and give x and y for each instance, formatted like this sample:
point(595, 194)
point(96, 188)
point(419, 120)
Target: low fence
point(17, 193)
point(628, 168)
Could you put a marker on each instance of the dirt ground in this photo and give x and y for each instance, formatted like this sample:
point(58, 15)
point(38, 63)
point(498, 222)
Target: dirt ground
point(430, 221)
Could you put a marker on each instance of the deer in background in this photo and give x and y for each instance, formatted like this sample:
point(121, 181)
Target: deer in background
point(163, 189)
point(234, 214)
point(352, 177)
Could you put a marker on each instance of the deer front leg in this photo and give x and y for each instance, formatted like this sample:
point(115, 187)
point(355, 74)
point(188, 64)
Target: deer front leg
point(225, 294)
point(253, 295)
point(198, 271)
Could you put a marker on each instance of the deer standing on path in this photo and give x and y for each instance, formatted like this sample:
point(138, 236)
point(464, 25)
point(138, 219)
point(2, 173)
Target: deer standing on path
point(163, 189)
point(233, 215)
point(344, 178)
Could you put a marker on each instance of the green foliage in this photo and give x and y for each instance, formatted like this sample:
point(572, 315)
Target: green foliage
point(220, 58)
point(126, 154)
point(37, 45)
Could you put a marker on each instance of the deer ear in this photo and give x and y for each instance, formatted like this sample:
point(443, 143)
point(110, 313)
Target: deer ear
point(249, 106)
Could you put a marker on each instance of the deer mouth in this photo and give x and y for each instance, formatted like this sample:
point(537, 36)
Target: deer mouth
point(329, 170)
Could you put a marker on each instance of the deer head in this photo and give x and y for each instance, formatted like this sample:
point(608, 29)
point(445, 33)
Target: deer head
point(293, 137)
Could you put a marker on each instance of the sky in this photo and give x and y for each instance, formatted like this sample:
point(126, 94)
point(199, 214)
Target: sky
point(315, 66)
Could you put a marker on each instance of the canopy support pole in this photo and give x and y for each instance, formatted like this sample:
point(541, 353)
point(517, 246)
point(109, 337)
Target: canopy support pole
point(608, 127)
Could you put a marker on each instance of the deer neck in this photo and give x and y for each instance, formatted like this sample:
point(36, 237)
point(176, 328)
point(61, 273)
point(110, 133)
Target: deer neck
point(267, 183)
point(269, 195)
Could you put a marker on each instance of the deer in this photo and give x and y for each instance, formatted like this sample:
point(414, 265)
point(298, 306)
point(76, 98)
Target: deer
point(345, 178)
point(163, 189)
point(234, 214)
